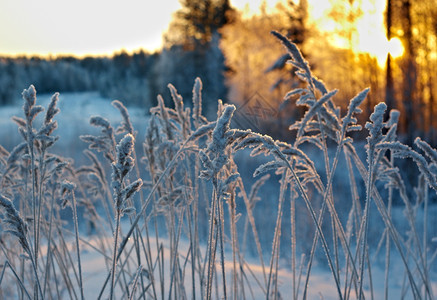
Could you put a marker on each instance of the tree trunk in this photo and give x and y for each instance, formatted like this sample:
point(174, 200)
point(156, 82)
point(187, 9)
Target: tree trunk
point(389, 84)
point(411, 105)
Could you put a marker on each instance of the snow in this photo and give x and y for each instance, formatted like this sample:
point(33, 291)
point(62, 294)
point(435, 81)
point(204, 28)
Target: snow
point(73, 120)
point(321, 284)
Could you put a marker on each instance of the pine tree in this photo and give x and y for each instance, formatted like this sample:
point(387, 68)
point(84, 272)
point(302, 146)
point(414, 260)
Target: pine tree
point(197, 21)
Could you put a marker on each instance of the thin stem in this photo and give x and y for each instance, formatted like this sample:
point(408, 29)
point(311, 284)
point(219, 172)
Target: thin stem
point(211, 243)
point(319, 229)
point(250, 217)
point(36, 275)
point(231, 207)
point(277, 235)
point(123, 244)
point(293, 241)
point(23, 288)
point(76, 231)
point(49, 253)
point(387, 249)
point(192, 250)
point(221, 237)
point(114, 258)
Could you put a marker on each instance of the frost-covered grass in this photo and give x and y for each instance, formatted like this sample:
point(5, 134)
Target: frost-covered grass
point(165, 214)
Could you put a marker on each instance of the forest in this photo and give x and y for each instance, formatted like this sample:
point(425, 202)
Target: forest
point(236, 58)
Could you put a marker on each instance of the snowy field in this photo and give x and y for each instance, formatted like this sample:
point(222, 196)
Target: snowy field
point(321, 285)
point(73, 121)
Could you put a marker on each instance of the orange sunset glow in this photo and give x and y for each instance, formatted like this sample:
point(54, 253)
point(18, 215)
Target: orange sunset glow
point(367, 27)
point(47, 27)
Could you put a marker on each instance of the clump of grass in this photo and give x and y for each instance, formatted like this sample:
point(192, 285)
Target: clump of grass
point(70, 199)
point(18, 228)
point(164, 218)
point(122, 193)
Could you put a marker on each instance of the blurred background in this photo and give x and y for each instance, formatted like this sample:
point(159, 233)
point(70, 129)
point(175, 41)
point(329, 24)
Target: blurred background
point(131, 51)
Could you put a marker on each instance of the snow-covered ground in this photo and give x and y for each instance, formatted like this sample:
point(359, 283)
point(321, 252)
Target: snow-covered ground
point(321, 284)
point(73, 120)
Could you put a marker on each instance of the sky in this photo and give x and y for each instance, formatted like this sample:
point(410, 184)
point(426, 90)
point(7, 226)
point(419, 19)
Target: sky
point(83, 27)
point(102, 27)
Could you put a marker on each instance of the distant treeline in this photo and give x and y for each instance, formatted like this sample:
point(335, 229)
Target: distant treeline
point(133, 78)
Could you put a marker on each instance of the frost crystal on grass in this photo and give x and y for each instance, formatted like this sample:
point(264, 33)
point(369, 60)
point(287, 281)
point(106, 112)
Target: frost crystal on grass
point(376, 124)
point(67, 188)
point(394, 118)
point(268, 166)
point(120, 168)
point(124, 161)
point(294, 51)
point(126, 125)
point(425, 147)
point(177, 99)
point(29, 97)
point(16, 153)
point(165, 119)
point(15, 223)
point(99, 121)
point(349, 122)
point(314, 110)
point(103, 143)
point(218, 142)
point(202, 130)
point(52, 110)
point(403, 151)
point(132, 188)
point(215, 157)
point(197, 99)
point(375, 130)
